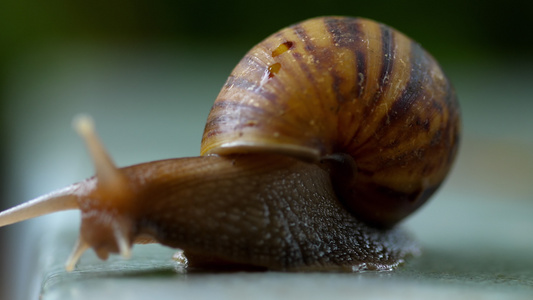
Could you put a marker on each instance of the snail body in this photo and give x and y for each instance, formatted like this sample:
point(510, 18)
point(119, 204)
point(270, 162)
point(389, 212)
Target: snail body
point(325, 136)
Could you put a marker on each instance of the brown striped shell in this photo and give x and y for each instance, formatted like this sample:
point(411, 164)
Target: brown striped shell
point(348, 86)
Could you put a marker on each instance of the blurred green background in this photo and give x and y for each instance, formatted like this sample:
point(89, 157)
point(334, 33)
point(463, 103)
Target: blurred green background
point(467, 37)
point(449, 29)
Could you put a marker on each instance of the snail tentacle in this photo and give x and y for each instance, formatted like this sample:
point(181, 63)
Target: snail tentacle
point(63, 199)
point(124, 245)
point(109, 176)
point(80, 247)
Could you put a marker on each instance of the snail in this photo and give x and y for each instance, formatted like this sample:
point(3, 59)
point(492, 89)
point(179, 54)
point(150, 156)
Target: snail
point(324, 137)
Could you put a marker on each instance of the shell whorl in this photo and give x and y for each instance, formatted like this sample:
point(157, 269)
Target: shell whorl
point(344, 85)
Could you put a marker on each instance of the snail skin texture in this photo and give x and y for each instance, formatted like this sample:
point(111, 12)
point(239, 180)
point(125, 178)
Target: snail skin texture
point(324, 137)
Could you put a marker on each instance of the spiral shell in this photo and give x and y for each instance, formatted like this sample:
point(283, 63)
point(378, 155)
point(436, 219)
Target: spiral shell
point(345, 85)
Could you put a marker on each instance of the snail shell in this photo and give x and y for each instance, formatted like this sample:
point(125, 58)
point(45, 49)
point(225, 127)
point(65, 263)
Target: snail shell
point(347, 86)
point(325, 135)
